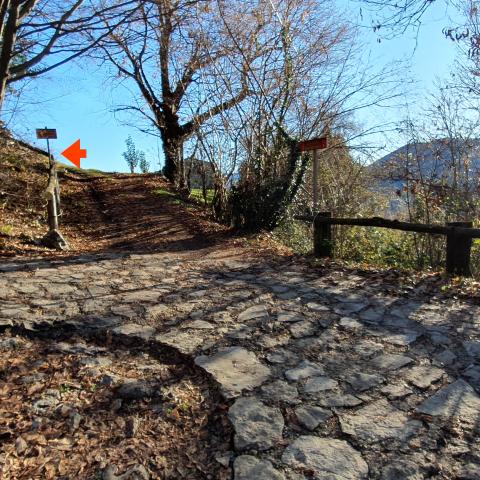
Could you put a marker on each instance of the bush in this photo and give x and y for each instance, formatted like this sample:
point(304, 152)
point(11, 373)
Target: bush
point(295, 235)
point(475, 259)
point(388, 248)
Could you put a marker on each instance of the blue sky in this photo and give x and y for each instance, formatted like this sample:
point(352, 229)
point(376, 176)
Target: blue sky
point(77, 99)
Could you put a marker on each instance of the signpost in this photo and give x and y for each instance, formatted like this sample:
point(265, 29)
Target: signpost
point(74, 153)
point(315, 145)
point(47, 134)
point(54, 238)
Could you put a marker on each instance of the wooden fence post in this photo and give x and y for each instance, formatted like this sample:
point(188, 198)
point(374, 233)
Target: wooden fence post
point(52, 200)
point(53, 239)
point(322, 236)
point(52, 212)
point(57, 193)
point(315, 179)
point(458, 250)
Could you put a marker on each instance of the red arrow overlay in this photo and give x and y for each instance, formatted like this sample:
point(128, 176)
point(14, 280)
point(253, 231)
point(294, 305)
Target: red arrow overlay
point(75, 153)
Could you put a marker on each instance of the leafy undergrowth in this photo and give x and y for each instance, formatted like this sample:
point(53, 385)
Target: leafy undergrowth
point(422, 284)
point(62, 415)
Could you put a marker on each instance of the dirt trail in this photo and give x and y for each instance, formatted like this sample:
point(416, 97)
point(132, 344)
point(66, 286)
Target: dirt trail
point(120, 211)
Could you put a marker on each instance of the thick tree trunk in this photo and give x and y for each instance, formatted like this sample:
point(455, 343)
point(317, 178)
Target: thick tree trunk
point(171, 159)
point(174, 164)
point(9, 35)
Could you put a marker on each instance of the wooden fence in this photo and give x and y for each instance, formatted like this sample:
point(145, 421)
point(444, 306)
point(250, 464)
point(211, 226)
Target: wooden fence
point(459, 236)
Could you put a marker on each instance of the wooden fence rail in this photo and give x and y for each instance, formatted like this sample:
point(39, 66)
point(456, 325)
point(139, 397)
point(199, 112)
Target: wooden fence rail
point(459, 236)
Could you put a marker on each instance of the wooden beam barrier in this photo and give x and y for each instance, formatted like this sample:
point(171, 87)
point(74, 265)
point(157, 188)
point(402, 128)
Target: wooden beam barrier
point(459, 236)
point(459, 248)
point(51, 194)
point(322, 235)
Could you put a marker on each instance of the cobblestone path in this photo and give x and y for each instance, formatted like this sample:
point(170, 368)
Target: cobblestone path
point(328, 375)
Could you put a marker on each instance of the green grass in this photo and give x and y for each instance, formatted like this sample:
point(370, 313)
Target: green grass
point(92, 172)
point(197, 195)
point(167, 195)
point(6, 229)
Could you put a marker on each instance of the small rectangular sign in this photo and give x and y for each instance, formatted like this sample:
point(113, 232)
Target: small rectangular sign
point(313, 144)
point(46, 133)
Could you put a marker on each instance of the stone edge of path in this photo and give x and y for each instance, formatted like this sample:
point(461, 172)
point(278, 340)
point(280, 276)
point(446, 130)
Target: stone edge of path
point(241, 468)
point(247, 437)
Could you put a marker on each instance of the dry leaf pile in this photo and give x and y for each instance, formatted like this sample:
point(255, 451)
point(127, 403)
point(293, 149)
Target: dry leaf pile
point(63, 415)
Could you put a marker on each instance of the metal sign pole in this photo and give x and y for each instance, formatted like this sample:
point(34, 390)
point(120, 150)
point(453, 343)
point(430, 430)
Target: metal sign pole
point(48, 150)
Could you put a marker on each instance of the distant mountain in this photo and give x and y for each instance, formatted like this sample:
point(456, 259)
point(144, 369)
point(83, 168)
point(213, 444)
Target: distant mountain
point(429, 162)
point(432, 161)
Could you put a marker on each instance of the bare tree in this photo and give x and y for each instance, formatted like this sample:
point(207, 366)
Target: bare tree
point(436, 174)
point(240, 81)
point(170, 49)
point(40, 35)
point(397, 16)
point(467, 37)
point(311, 81)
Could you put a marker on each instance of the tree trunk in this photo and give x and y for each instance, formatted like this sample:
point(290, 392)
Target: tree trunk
point(9, 36)
point(171, 159)
point(174, 165)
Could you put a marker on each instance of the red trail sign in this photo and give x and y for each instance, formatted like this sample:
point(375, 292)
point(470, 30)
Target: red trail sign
point(46, 134)
point(313, 144)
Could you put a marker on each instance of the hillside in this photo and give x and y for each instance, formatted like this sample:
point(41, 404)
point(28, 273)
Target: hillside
point(100, 211)
point(430, 160)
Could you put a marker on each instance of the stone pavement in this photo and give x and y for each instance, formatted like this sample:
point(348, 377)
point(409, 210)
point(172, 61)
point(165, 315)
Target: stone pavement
point(327, 374)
